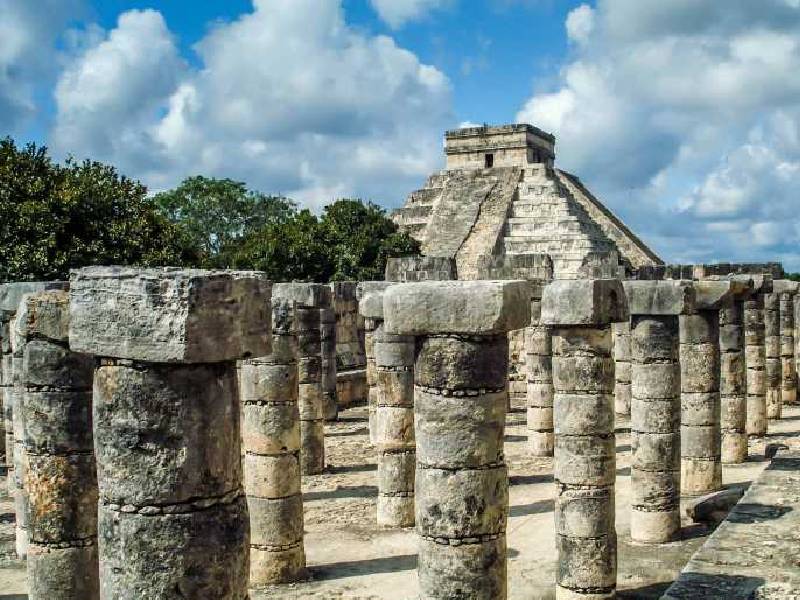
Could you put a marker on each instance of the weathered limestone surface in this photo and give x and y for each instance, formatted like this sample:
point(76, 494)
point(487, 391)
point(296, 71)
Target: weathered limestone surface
point(472, 307)
point(60, 479)
point(11, 297)
point(394, 423)
point(172, 516)
point(753, 553)
point(701, 450)
point(168, 315)
point(507, 201)
point(621, 337)
point(733, 388)
point(655, 307)
point(309, 298)
point(420, 268)
point(584, 466)
point(460, 404)
point(370, 308)
point(796, 306)
point(772, 352)
point(271, 438)
point(787, 291)
point(755, 360)
point(539, 360)
point(350, 358)
point(327, 324)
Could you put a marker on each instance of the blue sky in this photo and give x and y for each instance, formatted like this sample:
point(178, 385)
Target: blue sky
point(494, 53)
point(683, 116)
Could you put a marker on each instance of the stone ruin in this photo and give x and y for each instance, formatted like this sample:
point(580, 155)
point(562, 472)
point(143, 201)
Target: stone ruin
point(161, 424)
point(500, 195)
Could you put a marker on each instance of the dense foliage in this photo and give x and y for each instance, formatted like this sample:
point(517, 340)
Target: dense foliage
point(58, 217)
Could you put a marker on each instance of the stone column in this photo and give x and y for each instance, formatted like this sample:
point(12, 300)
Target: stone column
point(172, 516)
point(271, 437)
point(327, 324)
point(796, 305)
point(460, 395)
point(755, 361)
point(308, 299)
point(621, 336)
point(11, 294)
point(788, 291)
point(655, 307)
point(701, 450)
point(60, 479)
point(394, 419)
point(539, 361)
point(772, 353)
point(580, 314)
point(733, 389)
point(370, 330)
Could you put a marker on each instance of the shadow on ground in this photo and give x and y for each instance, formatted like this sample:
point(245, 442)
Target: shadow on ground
point(354, 568)
point(343, 491)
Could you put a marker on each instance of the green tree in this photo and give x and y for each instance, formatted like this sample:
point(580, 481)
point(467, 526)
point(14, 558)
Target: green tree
point(60, 217)
point(216, 214)
point(294, 250)
point(361, 238)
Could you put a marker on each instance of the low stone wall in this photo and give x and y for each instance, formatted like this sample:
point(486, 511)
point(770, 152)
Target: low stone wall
point(753, 553)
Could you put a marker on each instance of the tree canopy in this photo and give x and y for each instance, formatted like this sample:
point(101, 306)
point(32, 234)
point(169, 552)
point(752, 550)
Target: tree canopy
point(58, 217)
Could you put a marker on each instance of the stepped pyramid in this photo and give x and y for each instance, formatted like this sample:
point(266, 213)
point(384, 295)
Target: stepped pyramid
point(501, 195)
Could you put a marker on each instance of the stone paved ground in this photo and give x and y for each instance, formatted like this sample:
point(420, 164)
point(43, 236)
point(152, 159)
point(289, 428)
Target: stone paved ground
point(350, 557)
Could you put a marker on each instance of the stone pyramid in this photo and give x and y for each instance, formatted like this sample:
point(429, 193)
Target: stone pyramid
point(501, 195)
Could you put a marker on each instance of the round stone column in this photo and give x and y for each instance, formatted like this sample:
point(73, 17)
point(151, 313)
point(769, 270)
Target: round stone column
point(172, 516)
point(394, 419)
point(308, 299)
point(755, 361)
point(539, 360)
point(621, 337)
point(460, 395)
point(370, 332)
point(701, 449)
point(370, 326)
point(327, 323)
point(772, 353)
point(60, 479)
point(580, 314)
point(733, 393)
point(271, 437)
point(6, 397)
point(796, 306)
point(11, 295)
point(655, 307)
point(787, 324)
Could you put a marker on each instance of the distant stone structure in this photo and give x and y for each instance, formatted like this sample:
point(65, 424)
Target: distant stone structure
point(501, 195)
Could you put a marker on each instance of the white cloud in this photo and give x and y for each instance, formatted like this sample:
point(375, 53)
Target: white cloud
point(28, 55)
point(108, 99)
point(685, 115)
point(397, 13)
point(580, 22)
point(288, 98)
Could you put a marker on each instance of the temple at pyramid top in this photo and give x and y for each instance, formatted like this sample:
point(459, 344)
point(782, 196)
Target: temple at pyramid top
point(499, 146)
point(501, 195)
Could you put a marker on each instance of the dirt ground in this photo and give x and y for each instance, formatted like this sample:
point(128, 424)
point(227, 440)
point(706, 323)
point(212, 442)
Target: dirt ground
point(349, 556)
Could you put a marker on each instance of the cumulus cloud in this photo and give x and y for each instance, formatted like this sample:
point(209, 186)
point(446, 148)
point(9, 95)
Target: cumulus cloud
point(108, 99)
point(580, 23)
point(288, 97)
point(397, 13)
point(685, 115)
point(28, 55)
